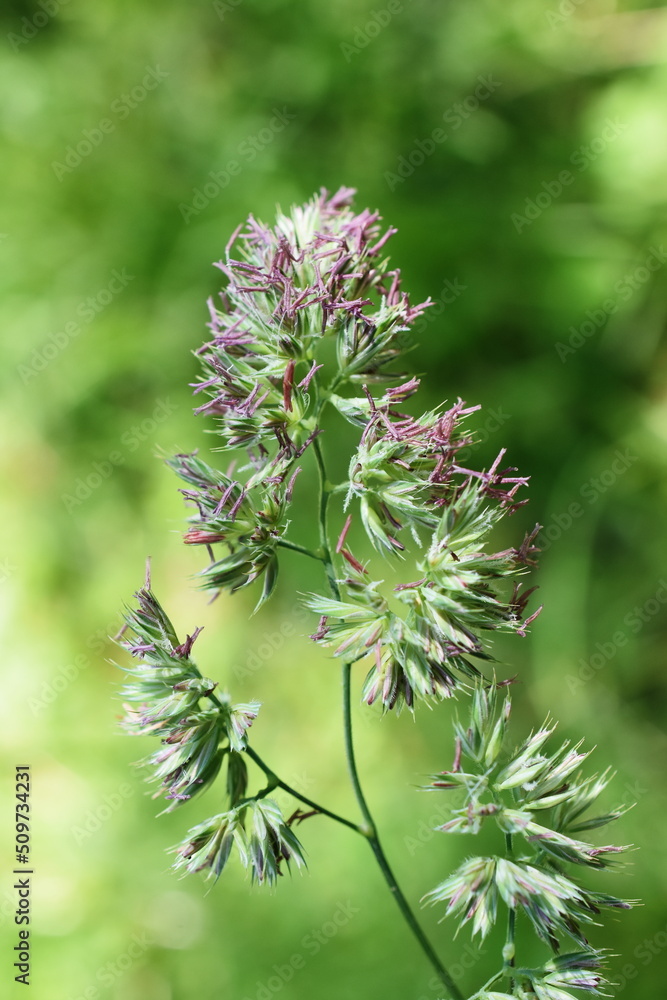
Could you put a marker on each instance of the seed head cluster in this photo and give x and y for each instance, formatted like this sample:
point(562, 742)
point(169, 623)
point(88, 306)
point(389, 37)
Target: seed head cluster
point(539, 801)
point(199, 731)
point(304, 361)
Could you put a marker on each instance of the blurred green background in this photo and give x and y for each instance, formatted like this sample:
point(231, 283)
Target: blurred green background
point(521, 149)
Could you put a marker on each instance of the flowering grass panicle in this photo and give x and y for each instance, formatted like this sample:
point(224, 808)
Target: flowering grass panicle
point(304, 357)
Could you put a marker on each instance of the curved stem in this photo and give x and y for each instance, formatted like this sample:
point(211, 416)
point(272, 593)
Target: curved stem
point(378, 851)
point(509, 949)
point(276, 782)
point(285, 543)
point(369, 827)
point(349, 751)
point(488, 983)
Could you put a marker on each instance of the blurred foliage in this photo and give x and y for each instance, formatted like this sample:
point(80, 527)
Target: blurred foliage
point(114, 118)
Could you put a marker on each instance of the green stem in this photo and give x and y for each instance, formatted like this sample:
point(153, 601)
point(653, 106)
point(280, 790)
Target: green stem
point(325, 492)
point(509, 949)
point(378, 851)
point(349, 752)
point(295, 547)
point(488, 983)
point(276, 782)
point(369, 827)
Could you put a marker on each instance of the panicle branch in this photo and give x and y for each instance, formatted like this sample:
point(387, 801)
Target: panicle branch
point(199, 730)
point(511, 789)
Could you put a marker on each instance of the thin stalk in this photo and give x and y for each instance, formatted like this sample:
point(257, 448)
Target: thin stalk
point(509, 949)
point(378, 851)
point(276, 782)
point(285, 543)
point(488, 983)
point(369, 827)
point(325, 491)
